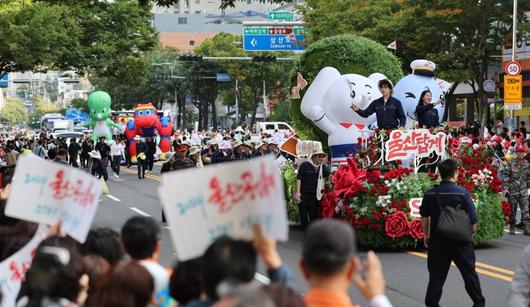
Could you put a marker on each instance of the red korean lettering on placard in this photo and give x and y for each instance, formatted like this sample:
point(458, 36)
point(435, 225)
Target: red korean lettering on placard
point(395, 146)
point(248, 188)
point(75, 190)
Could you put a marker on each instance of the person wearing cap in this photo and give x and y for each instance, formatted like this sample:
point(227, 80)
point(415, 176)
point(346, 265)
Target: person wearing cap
point(195, 156)
point(442, 250)
point(182, 161)
point(261, 149)
point(516, 185)
point(329, 264)
point(241, 151)
point(223, 154)
point(141, 153)
point(307, 183)
point(388, 110)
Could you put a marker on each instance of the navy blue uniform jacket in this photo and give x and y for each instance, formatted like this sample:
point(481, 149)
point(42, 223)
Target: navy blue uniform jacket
point(389, 115)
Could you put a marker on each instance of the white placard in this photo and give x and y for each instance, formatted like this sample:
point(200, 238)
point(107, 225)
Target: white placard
point(414, 206)
point(13, 269)
point(46, 192)
point(227, 199)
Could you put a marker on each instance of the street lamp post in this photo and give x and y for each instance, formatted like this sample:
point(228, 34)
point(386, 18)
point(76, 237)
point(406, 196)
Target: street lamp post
point(514, 45)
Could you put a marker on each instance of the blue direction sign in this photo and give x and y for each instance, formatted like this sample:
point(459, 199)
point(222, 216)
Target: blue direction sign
point(4, 81)
point(273, 42)
point(223, 78)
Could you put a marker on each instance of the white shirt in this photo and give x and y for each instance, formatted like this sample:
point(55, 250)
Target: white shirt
point(117, 149)
point(160, 276)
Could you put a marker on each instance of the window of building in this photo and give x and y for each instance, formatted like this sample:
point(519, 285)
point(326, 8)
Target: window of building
point(183, 20)
point(192, 43)
point(197, 1)
point(249, 1)
point(197, 12)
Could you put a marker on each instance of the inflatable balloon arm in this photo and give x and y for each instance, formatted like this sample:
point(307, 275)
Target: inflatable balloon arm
point(313, 99)
point(165, 129)
point(113, 124)
point(130, 133)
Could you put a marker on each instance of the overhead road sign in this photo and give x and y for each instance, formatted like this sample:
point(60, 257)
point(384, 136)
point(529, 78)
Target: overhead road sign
point(273, 38)
point(281, 16)
point(223, 78)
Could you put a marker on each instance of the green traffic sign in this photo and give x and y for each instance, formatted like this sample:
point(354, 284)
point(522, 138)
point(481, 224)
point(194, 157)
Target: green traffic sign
point(281, 16)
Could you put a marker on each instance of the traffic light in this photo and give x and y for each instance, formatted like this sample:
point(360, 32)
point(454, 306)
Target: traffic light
point(190, 57)
point(264, 58)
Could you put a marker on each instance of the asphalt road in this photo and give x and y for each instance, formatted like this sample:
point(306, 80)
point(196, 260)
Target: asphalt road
point(405, 272)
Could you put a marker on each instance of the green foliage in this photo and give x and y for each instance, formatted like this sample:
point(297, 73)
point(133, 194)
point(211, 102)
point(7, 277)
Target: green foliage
point(223, 4)
point(79, 104)
point(491, 218)
point(378, 240)
point(99, 37)
point(349, 54)
point(42, 107)
point(250, 75)
point(289, 181)
point(14, 112)
point(281, 112)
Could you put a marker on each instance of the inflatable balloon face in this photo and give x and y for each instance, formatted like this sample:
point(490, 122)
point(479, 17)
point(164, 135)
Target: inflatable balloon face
point(327, 103)
point(145, 115)
point(408, 90)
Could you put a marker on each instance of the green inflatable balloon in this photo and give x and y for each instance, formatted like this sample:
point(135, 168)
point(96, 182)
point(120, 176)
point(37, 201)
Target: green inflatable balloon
point(99, 112)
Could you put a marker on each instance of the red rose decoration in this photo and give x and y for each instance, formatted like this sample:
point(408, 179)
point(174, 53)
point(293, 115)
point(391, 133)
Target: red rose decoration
point(415, 230)
point(397, 225)
point(328, 204)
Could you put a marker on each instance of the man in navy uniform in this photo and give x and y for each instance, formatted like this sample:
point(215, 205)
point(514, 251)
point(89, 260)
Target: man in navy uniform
point(388, 110)
point(442, 250)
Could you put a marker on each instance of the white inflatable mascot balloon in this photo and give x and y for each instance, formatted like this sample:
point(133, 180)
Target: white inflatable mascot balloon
point(327, 103)
point(409, 88)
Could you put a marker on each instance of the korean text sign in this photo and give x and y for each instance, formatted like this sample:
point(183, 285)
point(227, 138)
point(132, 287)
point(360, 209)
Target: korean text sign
point(228, 199)
point(46, 192)
point(418, 142)
point(13, 269)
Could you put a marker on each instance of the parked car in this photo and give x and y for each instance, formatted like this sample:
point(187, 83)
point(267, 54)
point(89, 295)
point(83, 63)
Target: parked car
point(271, 127)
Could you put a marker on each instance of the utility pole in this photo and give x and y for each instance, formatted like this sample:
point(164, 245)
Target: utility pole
point(237, 104)
point(514, 45)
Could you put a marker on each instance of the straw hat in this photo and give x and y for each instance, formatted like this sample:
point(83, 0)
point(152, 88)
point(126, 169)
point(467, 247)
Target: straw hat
point(194, 150)
point(137, 138)
point(317, 150)
point(237, 144)
point(249, 144)
point(260, 143)
point(94, 154)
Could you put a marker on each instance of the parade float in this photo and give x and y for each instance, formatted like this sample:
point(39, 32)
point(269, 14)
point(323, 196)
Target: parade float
point(370, 188)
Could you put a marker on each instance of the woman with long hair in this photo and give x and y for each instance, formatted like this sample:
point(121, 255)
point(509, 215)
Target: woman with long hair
point(426, 114)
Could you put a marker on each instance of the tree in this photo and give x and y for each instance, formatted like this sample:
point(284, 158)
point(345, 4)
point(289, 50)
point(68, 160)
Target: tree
point(79, 104)
point(14, 112)
point(42, 107)
point(223, 4)
point(250, 75)
point(99, 37)
point(33, 35)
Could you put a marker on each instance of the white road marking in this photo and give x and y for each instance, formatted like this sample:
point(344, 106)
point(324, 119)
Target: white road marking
point(113, 197)
point(517, 231)
point(139, 211)
point(262, 278)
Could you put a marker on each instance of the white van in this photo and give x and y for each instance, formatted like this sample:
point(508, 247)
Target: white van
point(271, 127)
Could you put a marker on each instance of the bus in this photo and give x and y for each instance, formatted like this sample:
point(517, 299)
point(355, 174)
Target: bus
point(47, 120)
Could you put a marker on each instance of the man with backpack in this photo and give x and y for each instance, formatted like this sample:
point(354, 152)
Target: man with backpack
point(446, 241)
